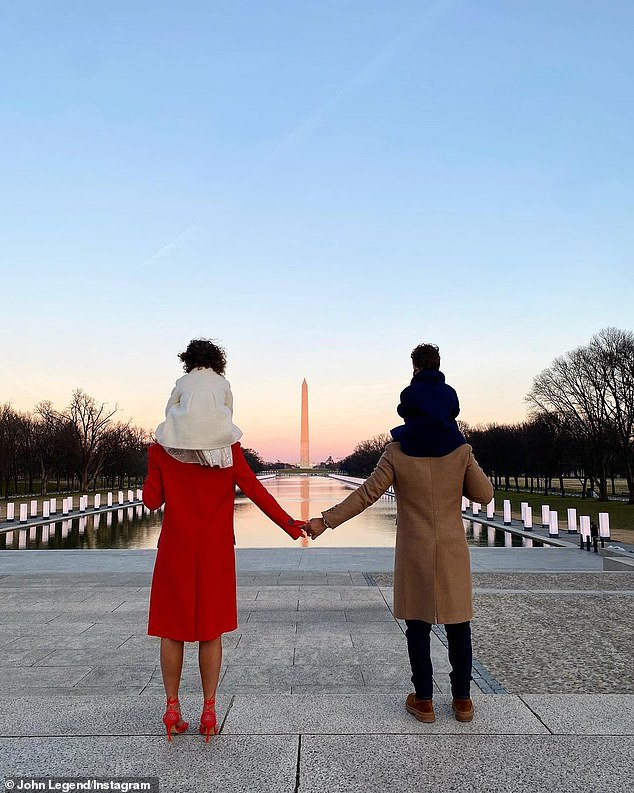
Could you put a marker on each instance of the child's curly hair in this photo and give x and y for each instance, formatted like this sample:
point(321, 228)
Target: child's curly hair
point(426, 356)
point(204, 353)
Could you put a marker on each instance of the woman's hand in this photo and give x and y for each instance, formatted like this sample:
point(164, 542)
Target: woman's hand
point(301, 525)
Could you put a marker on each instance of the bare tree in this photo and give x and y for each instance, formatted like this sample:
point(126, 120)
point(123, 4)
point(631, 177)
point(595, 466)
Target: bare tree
point(51, 447)
point(17, 449)
point(590, 390)
point(500, 449)
point(8, 447)
point(81, 442)
point(91, 423)
point(613, 351)
point(127, 453)
point(254, 459)
point(365, 456)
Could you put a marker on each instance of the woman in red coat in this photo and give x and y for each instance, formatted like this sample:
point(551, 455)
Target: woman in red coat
point(193, 595)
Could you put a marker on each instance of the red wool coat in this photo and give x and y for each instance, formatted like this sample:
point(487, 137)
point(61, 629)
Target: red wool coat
point(193, 595)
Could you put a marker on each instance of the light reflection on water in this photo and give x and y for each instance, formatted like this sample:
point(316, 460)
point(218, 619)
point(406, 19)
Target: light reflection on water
point(305, 497)
point(301, 496)
point(129, 527)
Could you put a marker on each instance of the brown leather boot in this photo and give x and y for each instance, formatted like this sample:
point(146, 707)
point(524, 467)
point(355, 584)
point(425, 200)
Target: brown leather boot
point(463, 709)
point(423, 709)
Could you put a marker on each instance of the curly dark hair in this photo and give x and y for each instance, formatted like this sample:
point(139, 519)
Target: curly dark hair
point(426, 356)
point(204, 353)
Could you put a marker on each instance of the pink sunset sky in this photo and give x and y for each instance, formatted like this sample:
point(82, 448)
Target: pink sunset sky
point(319, 187)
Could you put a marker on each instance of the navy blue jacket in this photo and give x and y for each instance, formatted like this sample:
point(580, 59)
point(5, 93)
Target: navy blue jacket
point(429, 407)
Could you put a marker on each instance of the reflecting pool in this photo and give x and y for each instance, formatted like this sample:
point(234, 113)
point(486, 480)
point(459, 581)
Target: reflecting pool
point(301, 496)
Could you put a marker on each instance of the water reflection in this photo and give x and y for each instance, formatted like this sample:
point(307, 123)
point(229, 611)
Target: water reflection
point(301, 496)
point(490, 537)
point(304, 497)
point(120, 529)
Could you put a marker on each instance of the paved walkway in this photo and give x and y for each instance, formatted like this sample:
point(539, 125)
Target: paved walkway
point(314, 679)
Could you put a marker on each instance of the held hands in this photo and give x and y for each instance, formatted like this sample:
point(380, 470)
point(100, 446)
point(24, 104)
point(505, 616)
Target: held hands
point(315, 527)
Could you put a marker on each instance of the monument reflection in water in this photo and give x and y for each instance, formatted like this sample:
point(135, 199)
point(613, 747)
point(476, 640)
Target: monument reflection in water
point(301, 496)
point(305, 497)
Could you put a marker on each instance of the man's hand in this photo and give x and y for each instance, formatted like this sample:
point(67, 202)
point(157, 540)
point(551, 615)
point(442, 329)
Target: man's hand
point(315, 527)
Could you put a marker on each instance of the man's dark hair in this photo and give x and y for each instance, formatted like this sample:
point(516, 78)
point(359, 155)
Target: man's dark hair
point(426, 356)
point(204, 353)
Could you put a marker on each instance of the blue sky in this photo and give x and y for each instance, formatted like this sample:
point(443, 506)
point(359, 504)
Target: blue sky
point(318, 185)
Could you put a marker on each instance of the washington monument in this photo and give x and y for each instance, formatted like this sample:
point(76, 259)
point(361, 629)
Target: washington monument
point(304, 450)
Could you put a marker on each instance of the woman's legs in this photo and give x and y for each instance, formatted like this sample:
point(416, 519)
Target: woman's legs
point(171, 666)
point(418, 647)
point(209, 662)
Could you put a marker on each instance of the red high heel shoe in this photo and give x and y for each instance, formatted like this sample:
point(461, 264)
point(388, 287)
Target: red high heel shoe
point(208, 719)
point(172, 719)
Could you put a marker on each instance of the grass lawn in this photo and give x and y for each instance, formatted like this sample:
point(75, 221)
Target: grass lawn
point(573, 486)
point(621, 514)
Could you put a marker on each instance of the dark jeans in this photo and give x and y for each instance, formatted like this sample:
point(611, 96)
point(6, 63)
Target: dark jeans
point(460, 658)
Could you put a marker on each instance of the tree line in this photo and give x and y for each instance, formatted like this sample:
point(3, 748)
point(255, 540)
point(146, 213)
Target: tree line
point(580, 423)
point(82, 447)
point(79, 447)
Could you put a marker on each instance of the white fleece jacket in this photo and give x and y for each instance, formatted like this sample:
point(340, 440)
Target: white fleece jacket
point(199, 413)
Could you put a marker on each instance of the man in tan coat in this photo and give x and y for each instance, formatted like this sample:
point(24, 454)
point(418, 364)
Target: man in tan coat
point(432, 572)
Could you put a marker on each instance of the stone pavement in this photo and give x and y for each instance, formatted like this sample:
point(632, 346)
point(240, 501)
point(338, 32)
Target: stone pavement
point(314, 679)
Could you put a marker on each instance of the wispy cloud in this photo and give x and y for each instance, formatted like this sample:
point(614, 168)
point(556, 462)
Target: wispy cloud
point(370, 71)
point(177, 242)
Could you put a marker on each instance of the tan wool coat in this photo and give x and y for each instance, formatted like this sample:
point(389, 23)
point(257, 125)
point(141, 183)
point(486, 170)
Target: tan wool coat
point(432, 571)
